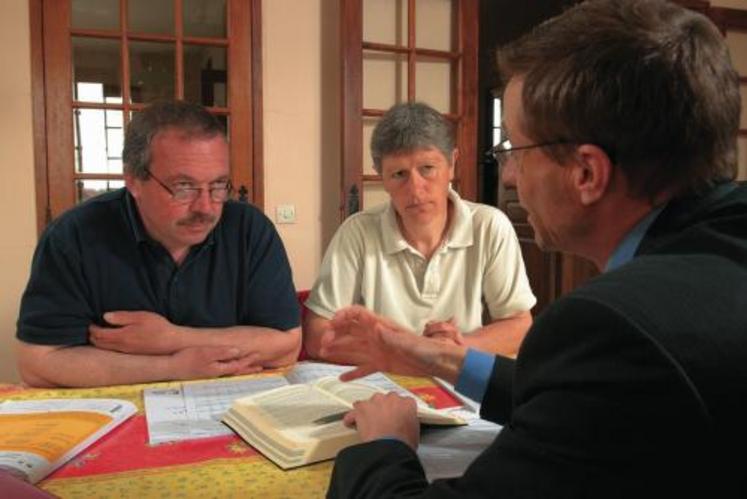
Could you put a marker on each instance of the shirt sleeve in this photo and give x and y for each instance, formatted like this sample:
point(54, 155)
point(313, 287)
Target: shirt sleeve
point(339, 281)
point(475, 374)
point(505, 285)
point(55, 307)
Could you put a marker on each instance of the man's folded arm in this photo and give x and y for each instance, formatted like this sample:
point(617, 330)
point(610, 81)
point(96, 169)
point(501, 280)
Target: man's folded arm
point(271, 347)
point(84, 366)
point(142, 332)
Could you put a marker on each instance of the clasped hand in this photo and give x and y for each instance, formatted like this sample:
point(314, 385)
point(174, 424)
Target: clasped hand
point(445, 331)
point(136, 332)
point(147, 333)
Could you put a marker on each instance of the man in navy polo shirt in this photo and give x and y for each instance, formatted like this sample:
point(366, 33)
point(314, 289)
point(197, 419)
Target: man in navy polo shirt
point(165, 279)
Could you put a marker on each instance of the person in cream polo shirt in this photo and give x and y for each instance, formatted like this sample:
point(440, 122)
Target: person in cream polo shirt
point(428, 260)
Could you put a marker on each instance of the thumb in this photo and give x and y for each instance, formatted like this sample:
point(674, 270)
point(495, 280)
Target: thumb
point(120, 317)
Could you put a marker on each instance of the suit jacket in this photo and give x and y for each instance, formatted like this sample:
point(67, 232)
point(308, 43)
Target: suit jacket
point(634, 385)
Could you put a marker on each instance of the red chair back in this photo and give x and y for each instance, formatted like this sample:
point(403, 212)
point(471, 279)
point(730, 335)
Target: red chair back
point(302, 295)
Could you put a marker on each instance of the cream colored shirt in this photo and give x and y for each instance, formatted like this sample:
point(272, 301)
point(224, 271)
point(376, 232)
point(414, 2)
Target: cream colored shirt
point(368, 262)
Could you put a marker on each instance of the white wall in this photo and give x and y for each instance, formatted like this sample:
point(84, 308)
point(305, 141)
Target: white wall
point(300, 64)
point(17, 195)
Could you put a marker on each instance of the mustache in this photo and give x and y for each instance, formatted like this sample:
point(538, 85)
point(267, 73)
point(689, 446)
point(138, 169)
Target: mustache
point(197, 218)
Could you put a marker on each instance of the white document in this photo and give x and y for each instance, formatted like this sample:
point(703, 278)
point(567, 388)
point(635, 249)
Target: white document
point(194, 410)
point(447, 452)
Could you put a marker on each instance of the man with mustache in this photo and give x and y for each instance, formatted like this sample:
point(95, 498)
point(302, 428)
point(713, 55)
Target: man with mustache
point(165, 279)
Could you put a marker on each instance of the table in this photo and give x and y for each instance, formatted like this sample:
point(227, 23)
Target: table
point(123, 464)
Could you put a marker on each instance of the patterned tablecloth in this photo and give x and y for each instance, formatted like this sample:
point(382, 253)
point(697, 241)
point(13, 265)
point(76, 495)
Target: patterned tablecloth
point(123, 464)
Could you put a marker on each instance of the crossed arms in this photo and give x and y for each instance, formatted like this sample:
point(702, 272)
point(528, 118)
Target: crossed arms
point(144, 347)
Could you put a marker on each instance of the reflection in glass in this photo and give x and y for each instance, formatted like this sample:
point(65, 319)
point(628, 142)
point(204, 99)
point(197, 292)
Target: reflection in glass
point(226, 123)
point(205, 18)
point(433, 24)
point(433, 83)
point(497, 121)
point(152, 67)
point(384, 79)
point(151, 16)
point(96, 61)
point(737, 43)
point(99, 137)
point(374, 195)
point(205, 75)
point(385, 21)
point(369, 123)
point(86, 189)
point(94, 14)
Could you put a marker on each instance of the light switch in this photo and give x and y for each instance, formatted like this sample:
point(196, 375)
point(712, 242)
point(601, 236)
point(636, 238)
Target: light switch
point(285, 214)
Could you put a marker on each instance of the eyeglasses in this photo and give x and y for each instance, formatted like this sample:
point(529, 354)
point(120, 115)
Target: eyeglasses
point(219, 191)
point(503, 152)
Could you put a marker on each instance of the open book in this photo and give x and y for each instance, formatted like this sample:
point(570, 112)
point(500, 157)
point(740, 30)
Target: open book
point(301, 424)
point(39, 436)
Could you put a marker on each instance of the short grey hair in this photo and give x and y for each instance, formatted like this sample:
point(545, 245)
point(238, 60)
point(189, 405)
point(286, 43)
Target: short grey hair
point(409, 126)
point(192, 119)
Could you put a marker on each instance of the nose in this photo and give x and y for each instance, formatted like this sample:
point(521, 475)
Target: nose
point(416, 182)
point(203, 203)
point(508, 174)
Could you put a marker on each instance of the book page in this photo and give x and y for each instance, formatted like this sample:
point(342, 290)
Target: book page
point(348, 391)
point(309, 372)
point(354, 391)
point(281, 424)
point(38, 436)
point(294, 409)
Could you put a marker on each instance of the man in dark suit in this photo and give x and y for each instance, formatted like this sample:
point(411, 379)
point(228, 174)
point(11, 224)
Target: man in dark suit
point(623, 118)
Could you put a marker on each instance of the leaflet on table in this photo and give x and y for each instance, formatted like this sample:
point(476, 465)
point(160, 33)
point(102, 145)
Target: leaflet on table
point(38, 436)
point(448, 452)
point(194, 410)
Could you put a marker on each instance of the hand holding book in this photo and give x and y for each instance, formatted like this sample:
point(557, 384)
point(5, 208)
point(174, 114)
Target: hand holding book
point(282, 423)
point(386, 415)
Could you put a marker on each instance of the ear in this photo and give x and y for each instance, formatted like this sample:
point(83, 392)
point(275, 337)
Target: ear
point(133, 185)
point(454, 158)
point(592, 173)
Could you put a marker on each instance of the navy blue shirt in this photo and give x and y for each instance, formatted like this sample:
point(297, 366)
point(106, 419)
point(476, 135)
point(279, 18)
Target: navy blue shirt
point(97, 258)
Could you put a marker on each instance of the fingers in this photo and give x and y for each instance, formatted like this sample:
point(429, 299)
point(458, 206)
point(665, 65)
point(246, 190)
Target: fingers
point(122, 317)
point(237, 364)
point(104, 338)
point(349, 418)
point(356, 373)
